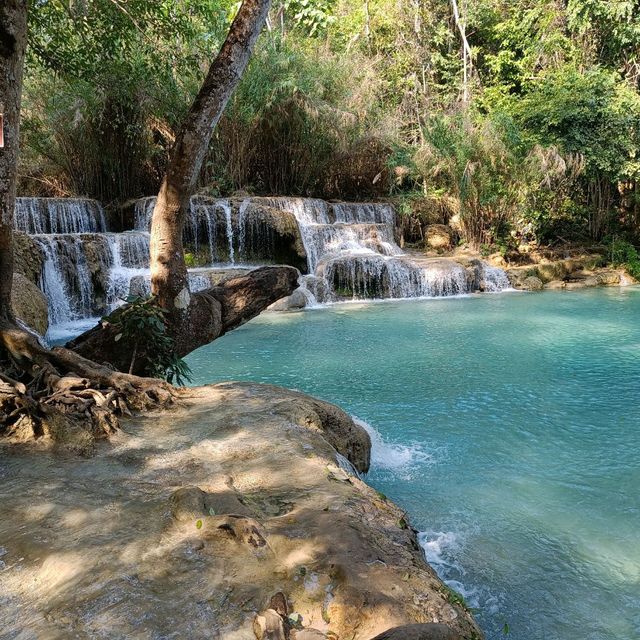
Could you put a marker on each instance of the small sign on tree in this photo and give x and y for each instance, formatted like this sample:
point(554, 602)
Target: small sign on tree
point(1, 130)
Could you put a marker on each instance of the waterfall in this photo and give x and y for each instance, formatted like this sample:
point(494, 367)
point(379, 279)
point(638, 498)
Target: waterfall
point(378, 276)
point(142, 212)
point(66, 277)
point(242, 227)
point(59, 215)
point(494, 279)
point(206, 214)
point(226, 207)
point(350, 247)
point(129, 257)
point(355, 212)
point(53, 284)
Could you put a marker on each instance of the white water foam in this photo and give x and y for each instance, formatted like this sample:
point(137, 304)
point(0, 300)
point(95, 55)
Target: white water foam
point(443, 550)
point(401, 459)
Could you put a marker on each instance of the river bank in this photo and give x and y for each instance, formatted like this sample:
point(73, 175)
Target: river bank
point(138, 541)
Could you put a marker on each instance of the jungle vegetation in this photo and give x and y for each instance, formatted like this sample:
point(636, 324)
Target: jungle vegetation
point(521, 117)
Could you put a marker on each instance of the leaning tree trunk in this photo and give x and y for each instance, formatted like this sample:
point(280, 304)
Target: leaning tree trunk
point(196, 319)
point(13, 37)
point(168, 270)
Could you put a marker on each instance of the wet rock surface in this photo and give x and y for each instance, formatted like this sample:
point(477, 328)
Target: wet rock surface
point(29, 304)
point(226, 518)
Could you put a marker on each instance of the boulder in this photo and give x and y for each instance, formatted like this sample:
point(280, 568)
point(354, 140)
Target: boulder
point(532, 283)
point(296, 301)
point(420, 632)
point(439, 237)
point(30, 304)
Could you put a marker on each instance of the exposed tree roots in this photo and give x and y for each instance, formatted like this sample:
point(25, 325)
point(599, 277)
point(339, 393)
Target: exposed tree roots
point(59, 396)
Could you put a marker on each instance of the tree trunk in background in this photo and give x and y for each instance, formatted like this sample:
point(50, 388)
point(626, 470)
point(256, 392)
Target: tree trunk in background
point(168, 270)
point(13, 36)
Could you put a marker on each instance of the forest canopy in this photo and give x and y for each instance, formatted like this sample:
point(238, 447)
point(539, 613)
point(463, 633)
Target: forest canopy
point(521, 117)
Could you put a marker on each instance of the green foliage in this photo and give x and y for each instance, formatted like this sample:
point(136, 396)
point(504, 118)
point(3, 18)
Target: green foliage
point(624, 254)
point(453, 597)
point(345, 99)
point(141, 325)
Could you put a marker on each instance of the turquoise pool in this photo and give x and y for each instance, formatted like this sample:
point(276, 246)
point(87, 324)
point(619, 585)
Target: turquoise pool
point(507, 425)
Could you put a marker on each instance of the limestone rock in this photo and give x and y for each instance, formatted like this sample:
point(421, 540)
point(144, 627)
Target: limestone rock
point(439, 237)
point(27, 256)
point(297, 300)
point(242, 529)
point(307, 634)
point(268, 626)
point(188, 503)
point(337, 427)
point(30, 304)
point(420, 632)
point(345, 558)
point(497, 260)
point(532, 283)
point(548, 271)
point(556, 285)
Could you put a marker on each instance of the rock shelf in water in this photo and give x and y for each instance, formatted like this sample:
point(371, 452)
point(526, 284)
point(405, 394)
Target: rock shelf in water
point(190, 523)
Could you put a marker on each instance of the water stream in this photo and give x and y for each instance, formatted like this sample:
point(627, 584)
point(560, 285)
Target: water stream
point(509, 428)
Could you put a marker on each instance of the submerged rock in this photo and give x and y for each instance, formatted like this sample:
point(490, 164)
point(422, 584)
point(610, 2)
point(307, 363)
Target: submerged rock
point(297, 300)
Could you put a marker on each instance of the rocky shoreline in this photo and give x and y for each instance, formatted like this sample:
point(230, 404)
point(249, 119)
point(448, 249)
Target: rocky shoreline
point(234, 516)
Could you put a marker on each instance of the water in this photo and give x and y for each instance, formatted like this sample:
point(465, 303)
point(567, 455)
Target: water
point(507, 425)
point(59, 215)
point(350, 247)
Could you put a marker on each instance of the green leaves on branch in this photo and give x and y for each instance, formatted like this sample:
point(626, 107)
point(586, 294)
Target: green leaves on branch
point(141, 325)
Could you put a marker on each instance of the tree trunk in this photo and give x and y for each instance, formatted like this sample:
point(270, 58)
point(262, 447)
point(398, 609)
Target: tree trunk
point(13, 36)
point(196, 319)
point(168, 270)
point(211, 314)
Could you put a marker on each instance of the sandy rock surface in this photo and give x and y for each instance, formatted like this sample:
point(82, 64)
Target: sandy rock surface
point(195, 521)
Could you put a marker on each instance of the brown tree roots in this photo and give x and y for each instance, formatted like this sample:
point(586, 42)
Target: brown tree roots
point(59, 397)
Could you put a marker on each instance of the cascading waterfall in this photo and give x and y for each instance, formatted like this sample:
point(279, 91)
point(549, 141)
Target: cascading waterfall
point(494, 279)
point(129, 257)
point(66, 277)
point(206, 214)
point(377, 276)
point(53, 284)
point(350, 248)
point(59, 215)
point(242, 226)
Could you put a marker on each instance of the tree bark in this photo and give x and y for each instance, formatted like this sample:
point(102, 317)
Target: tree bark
point(13, 37)
point(195, 320)
point(168, 270)
point(211, 314)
